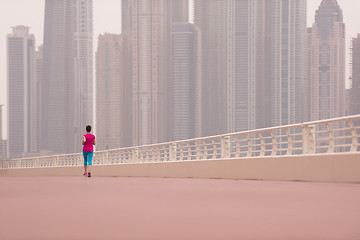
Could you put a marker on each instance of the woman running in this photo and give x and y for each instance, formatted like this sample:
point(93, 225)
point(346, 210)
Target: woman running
point(88, 150)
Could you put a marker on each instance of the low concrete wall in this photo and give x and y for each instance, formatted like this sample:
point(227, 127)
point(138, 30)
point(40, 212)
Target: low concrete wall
point(343, 167)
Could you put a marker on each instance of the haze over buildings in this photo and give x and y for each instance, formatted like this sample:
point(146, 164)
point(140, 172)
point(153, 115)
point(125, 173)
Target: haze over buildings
point(242, 64)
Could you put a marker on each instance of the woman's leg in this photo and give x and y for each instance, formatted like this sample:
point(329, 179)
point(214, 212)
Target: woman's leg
point(85, 161)
point(90, 157)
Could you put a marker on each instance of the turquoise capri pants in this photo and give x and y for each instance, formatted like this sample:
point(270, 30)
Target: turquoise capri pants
point(88, 158)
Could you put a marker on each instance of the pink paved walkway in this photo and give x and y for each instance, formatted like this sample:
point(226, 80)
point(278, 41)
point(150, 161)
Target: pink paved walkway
point(176, 209)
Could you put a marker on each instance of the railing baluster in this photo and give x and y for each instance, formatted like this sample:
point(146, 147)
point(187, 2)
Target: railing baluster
point(308, 139)
point(274, 143)
point(331, 148)
point(249, 152)
point(289, 143)
point(225, 147)
point(262, 142)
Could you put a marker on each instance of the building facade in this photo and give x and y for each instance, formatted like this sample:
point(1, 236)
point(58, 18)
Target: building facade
point(355, 77)
point(113, 94)
point(251, 90)
point(59, 102)
point(147, 27)
point(186, 81)
point(22, 98)
point(287, 54)
point(215, 20)
point(328, 62)
point(306, 106)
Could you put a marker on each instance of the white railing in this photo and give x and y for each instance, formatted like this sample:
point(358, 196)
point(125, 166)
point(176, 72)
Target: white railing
point(325, 136)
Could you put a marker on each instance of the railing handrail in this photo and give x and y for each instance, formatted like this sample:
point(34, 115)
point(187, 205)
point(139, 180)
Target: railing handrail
point(226, 145)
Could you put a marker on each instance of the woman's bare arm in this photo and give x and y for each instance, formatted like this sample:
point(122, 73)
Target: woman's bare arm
point(84, 140)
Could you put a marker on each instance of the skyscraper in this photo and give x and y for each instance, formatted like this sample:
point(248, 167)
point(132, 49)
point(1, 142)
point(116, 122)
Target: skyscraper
point(60, 101)
point(286, 71)
point(147, 27)
point(306, 106)
point(253, 62)
point(216, 22)
point(251, 93)
point(355, 77)
point(67, 89)
point(328, 62)
point(186, 81)
point(83, 52)
point(36, 101)
point(113, 94)
point(21, 92)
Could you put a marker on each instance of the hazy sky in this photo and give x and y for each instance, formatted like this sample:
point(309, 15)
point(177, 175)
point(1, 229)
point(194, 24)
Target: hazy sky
point(107, 19)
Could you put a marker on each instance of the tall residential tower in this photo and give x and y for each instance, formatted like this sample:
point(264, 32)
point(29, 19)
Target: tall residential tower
point(186, 81)
point(253, 62)
point(83, 53)
point(60, 128)
point(21, 93)
point(328, 62)
point(147, 27)
point(355, 77)
point(67, 89)
point(113, 93)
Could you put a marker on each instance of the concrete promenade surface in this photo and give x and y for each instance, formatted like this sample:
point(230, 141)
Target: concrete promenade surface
point(176, 209)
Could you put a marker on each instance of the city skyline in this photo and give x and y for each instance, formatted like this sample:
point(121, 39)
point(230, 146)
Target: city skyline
point(117, 15)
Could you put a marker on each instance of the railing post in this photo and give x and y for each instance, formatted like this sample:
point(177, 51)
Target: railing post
point(262, 143)
point(172, 152)
point(37, 163)
point(57, 161)
point(354, 137)
point(274, 143)
point(225, 146)
point(289, 142)
point(135, 154)
point(107, 157)
point(198, 150)
point(331, 148)
point(308, 139)
point(249, 153)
